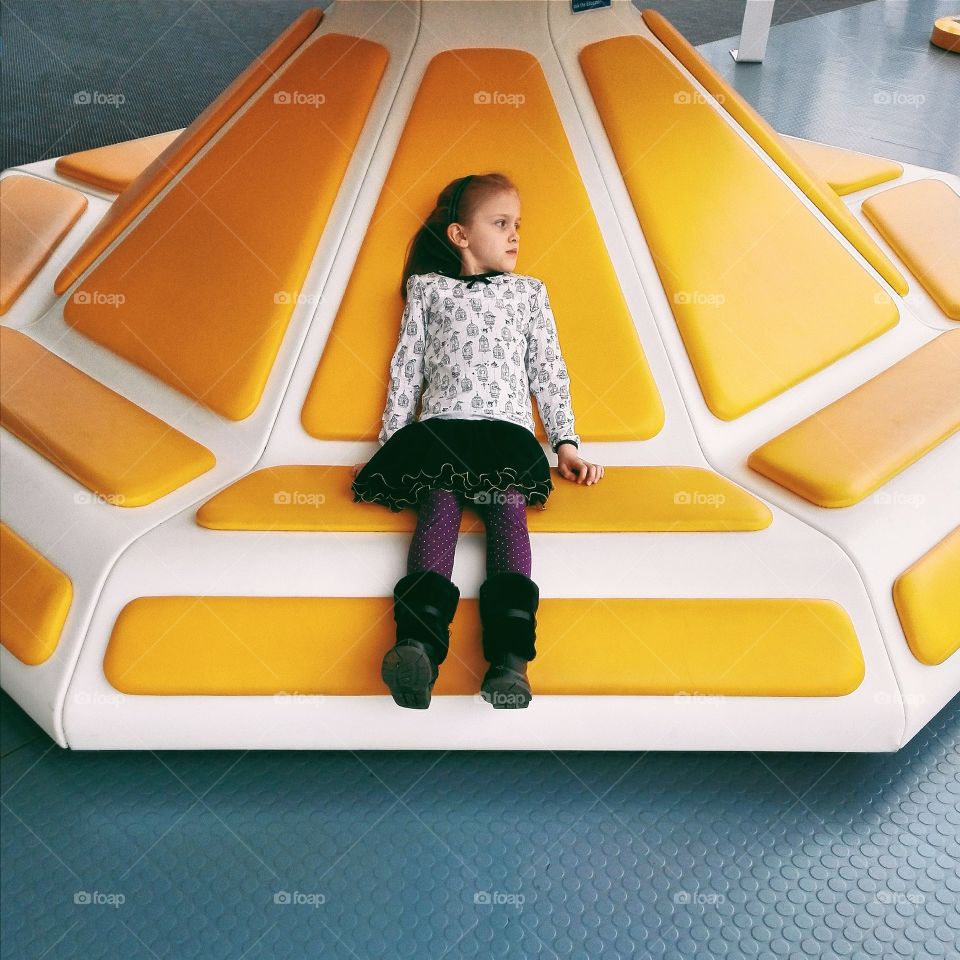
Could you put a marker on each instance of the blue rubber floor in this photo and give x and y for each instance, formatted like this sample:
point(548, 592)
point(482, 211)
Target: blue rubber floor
point(347, 855)
point(556, 855)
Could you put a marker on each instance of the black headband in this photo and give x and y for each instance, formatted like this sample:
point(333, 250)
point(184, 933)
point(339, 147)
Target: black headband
point(455, 199)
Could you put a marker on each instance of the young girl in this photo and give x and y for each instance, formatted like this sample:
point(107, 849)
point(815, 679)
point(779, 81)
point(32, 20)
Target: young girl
point(475, 340)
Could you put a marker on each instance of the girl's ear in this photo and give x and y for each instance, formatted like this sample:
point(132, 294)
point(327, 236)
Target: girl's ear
point(454, 233)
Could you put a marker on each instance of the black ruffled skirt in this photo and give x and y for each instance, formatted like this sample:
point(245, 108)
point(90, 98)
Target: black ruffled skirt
point(469, 457)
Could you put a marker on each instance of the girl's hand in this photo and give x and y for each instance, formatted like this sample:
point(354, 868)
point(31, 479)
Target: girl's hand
point(572, 467)
point(357, 467)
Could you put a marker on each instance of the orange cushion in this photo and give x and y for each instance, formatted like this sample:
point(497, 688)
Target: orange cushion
point(104, 441)
point(790, 161)
point(927, 598)
point(845, 451)
point(921, 221)
point(150, 183)
point(627, 499)
point(845, 171)
point(562, 246)
point(762, 293)
point(211, 276)
point(35, 598)
point(247, 646)
point(35, 216)
point(116, 166)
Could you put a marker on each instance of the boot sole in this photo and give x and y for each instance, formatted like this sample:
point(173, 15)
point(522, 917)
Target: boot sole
point(506, 693)
point(407, 672)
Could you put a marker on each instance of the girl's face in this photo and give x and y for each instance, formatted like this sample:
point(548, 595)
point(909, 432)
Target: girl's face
point(491, 240)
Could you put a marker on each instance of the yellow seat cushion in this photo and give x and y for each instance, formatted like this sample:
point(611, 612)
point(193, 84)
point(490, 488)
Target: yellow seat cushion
point(35, 599)
point(244, 646)
point(790, 161)
point(117, 165)
point(150, 183)
point(104, 441)
point(927, 598)
point(921, 222)
point(844, 171)
point(845, 451)
point(762, 294)
point(35, 216)
point(209, 285)
point(613, 393)
point(300, 497)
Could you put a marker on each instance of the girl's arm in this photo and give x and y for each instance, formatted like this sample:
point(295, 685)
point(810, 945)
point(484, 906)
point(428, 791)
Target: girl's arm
point(406, 367)
point(547, 372)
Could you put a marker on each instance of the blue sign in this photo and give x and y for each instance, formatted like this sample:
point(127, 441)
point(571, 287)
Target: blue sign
point(579, 5)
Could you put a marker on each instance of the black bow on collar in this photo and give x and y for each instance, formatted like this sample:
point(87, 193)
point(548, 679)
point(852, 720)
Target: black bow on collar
point(480, 277)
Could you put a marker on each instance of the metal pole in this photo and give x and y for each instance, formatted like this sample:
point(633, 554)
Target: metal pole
point(754, 32)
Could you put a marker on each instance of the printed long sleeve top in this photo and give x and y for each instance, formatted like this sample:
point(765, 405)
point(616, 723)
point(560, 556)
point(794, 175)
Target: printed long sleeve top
point(478, 348)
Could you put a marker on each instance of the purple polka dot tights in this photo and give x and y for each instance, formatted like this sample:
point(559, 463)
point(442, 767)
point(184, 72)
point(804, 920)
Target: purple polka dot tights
point(438, 528)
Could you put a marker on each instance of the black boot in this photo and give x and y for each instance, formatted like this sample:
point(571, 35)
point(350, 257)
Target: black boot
point(508, 606)
point(424, 603)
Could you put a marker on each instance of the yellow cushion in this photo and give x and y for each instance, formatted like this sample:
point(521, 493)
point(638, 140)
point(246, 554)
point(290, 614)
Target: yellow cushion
point(333, 645)
point(178, 154)
point(34, 599)
point(209, 285)
point(842, 453)
point(789, 161)
point(117, 165)
point(763, 295)
point(104, 441)
point(927, 598)
point(613, 393)
point(845, 171)
point(627, 499)
point(921, 222)
point(35, 216)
